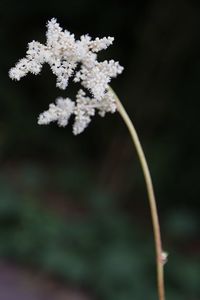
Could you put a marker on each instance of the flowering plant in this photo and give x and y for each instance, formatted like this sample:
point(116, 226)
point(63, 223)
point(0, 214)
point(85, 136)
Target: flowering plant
point(64, 54)
point(68, 58)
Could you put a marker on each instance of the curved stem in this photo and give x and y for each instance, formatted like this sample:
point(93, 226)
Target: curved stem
point(160, 255)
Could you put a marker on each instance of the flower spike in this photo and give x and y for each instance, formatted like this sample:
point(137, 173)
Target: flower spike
point(65, 54)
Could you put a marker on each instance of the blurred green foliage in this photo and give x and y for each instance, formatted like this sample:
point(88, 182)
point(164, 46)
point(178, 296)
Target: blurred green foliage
point(95, 247)
point(76, 207)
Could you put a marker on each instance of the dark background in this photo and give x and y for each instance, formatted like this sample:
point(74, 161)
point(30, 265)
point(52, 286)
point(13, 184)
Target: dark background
point(74, 209)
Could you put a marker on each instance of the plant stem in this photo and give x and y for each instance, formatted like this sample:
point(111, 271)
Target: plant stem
point(160, 255)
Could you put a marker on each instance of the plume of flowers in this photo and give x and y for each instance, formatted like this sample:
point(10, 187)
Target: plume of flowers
point(67, 58)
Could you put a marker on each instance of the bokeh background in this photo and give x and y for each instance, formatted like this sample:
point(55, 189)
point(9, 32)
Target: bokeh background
point(74, 215)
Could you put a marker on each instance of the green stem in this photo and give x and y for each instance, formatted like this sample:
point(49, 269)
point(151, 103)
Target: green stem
point(160, 255)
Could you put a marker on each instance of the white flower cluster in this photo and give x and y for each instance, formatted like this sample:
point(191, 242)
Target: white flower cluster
point(83, 110)
point(64, 54)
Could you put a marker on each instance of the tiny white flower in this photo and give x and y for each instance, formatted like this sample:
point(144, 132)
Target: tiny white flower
point(64, 54)
point(61, 112)
point(100, 44)
point(83, 111)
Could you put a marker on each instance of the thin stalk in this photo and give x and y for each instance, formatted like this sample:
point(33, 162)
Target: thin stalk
point(160, 255)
